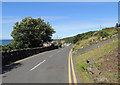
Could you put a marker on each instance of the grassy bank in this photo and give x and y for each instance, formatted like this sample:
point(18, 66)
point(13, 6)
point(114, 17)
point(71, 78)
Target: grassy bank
point(104, 33)
point(85, 43)
point(81, 64)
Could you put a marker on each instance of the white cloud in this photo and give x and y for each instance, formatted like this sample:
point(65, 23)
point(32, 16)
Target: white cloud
point(13, 19)
point(82, 26)
point(107, 19)
point(72, 29)
point(52, 18)
point(9, 19)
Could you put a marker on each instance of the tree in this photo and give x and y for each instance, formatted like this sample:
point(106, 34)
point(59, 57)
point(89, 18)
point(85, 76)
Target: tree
point(31, 33)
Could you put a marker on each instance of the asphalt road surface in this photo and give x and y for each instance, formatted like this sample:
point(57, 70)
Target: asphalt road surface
point(47, 67)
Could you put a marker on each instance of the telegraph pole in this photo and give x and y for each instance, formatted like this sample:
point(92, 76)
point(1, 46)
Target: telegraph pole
point(57, 38)
point(100, 27)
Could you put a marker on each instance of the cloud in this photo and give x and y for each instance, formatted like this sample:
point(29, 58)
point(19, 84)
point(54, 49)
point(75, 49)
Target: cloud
point(52, 18)
point(72, 30)
point(107, 19)
point(13, 19)
point(82, 26)
point(9, 19)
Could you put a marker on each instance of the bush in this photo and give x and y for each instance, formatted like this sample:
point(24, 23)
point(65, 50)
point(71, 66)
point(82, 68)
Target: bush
point(103, 34)
point(5, 48)
point(95, 34)
point(59, 44)
point(84, 66)
point(96, 64)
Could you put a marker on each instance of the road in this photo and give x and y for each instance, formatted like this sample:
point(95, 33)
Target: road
point(55, 66)
point(48, 67)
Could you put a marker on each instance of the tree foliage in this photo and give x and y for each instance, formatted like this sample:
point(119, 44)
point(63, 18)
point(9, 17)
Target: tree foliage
point(31, 33)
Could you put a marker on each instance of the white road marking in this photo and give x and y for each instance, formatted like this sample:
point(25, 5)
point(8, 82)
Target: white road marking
point(50, 56)
point(58, 51)
point(37, 65)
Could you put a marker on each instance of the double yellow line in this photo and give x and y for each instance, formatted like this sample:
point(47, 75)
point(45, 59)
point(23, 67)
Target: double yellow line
point(71, 67)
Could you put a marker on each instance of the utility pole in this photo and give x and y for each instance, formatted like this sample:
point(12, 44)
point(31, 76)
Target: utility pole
point(100, 27)
point(57, 38)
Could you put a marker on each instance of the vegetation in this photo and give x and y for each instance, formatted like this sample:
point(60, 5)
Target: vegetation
point(0, 47)
point(95, 38)
point(80, 60)
point(68, 39)
point(59, 44)
point(101, 33)
point(86, 39)
point(84, 43)
point(30, 33)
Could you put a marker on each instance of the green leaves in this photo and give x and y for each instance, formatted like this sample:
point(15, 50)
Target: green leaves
point(31, 33)
point(103, 34)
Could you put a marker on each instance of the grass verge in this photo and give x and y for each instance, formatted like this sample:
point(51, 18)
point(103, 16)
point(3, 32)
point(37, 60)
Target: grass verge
point(80, 60)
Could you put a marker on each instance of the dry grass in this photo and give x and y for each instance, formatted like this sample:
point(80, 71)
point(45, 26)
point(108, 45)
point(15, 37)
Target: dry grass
point(83, 43)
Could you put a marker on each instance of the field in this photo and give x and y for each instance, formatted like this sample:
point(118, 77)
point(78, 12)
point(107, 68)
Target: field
point(105, 60)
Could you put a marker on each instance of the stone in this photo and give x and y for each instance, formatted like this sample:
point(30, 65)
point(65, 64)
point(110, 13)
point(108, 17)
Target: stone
point(96, 72)
point(101, 38)
point(91, 66)
point(100, 80)
point(90, 72)
point(90, 61)
point(82, 47)
point(105, 38)
point(89, 69)
point(108, 37)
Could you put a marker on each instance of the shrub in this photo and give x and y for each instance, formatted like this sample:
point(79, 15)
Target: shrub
point(59, 44)
point(5, 48)
point(84, 66)
point(95, 34)
point(103, 34)
point(96, 64)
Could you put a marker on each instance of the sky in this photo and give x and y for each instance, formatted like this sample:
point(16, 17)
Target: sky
point(60, 0)
point(67, 18)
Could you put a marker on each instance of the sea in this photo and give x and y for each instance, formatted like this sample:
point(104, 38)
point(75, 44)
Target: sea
point(5, 42)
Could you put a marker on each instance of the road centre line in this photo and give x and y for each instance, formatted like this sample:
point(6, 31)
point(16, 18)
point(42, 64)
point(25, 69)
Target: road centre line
point(37, 65)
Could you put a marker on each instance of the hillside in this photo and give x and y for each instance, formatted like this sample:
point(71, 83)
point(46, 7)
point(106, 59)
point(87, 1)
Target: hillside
point(99, 64)
point(101, 33)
